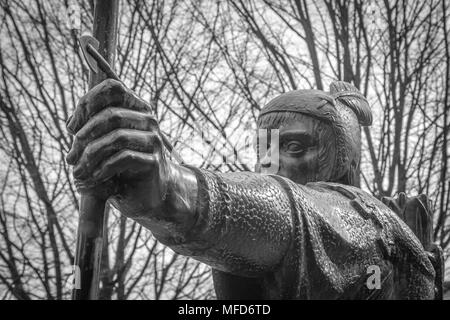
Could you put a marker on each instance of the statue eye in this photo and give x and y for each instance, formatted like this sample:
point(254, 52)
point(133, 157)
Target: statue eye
point(294, 147)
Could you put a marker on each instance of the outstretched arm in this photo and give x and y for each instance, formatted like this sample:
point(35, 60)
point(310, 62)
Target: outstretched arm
point(240, 223)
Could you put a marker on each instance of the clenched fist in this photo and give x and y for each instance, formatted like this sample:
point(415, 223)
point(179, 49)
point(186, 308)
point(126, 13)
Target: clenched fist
point(117, 149)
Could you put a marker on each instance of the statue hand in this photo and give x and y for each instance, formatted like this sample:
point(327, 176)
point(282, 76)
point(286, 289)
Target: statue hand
point(117, 149)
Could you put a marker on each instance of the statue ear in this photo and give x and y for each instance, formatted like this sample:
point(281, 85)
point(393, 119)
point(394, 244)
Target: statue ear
point(348, 95)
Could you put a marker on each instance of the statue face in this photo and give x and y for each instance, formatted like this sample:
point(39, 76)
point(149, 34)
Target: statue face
point(306, 151)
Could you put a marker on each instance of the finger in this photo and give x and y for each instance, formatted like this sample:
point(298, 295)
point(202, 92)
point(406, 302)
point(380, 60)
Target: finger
point(106, 121)
point(125, 160)
point(105, 93)
point(108, 93)
point(117, 140)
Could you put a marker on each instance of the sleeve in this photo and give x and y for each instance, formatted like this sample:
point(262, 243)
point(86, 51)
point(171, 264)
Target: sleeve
point(243, 223)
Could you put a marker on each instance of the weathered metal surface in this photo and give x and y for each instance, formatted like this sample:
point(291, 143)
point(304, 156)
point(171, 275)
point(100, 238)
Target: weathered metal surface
point(281, 236)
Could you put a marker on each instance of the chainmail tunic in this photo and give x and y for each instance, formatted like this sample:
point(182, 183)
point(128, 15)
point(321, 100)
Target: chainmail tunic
point(268, 238)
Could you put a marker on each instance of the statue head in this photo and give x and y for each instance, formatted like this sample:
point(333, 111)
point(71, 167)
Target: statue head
point(319, 134)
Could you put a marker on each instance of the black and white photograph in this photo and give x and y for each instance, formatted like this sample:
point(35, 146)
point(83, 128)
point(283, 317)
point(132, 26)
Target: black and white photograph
point(211, 151)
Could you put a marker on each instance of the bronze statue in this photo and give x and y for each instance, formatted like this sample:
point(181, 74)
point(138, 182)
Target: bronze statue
point(303, 233)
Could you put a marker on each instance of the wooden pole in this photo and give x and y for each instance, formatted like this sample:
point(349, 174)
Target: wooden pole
point(92, 208)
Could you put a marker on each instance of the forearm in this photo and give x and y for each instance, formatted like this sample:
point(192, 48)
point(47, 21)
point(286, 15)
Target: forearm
point(236, 222)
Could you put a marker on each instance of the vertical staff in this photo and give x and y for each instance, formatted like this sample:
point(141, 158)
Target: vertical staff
point(92, 208)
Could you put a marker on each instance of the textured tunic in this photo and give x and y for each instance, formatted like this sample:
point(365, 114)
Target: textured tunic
point(268, 238)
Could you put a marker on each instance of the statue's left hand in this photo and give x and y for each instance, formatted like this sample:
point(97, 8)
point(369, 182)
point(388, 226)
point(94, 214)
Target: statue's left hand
point(117, 148)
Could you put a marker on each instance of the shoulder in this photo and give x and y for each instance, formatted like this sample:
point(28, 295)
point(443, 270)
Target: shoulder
point(349, 205)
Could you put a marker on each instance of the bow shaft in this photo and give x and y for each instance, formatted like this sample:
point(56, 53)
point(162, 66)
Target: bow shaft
point(92, 208)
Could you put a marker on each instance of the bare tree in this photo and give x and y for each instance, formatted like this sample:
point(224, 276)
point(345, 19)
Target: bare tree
point(207, 68)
